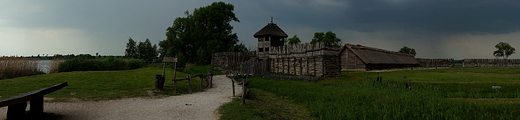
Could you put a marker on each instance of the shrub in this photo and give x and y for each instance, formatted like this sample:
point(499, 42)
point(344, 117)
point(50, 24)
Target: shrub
point(95, 65)
point(79, 64)
point(135, 63)
point(114, 64)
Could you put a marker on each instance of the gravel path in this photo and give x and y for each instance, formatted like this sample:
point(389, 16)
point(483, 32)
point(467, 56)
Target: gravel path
point(196, 106)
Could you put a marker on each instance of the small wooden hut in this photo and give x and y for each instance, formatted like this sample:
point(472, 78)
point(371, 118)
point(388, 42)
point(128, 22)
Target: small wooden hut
point(358, 57)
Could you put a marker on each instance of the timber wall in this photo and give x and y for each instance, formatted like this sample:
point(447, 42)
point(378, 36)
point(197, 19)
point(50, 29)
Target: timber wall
point(231, 60)
point(436, 62)
point(305, 59)
point(299, 59)
point(491, 63)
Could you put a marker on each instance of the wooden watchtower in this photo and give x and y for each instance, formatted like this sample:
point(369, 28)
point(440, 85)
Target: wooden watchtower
point(269, 36)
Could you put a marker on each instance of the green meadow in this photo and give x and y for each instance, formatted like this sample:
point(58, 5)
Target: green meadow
point(451, 93)
point(102, 85)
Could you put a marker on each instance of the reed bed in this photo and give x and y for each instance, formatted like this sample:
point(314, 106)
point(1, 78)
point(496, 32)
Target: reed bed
point(55, 63)
point(11, 67)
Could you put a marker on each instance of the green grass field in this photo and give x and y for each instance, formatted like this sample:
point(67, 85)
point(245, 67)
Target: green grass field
point(452, 93)
point(101, 85)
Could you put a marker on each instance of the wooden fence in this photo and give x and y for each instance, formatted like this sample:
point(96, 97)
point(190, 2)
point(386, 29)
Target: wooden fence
point(234, 76)
point(298, 59)
point(305, 59)
point(491, 63)
point(209, 80)
point(255, 67)
point(436, 62)
point(231, 60)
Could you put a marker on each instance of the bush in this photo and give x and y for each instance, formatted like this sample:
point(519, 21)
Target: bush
point(114, 64)
point(79, 64)
point(134, 64)
point(95, 65)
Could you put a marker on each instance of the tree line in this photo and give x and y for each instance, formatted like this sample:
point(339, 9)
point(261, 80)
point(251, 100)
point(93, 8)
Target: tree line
point(144, 50)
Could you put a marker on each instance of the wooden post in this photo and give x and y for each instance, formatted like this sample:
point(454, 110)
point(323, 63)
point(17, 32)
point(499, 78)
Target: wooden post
point(244, 88)
point(189, 84)
point(233, 85)
point(163, 68)
point(174, 87)
point(210, 78)
point(210, 81)
point(16, 111)
point(200, 77)
point(175, 70)
point(37, 106)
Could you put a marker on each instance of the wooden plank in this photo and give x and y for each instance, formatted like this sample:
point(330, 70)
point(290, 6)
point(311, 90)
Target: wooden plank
point(180, 79)
point(29, 96)
point(169, 59)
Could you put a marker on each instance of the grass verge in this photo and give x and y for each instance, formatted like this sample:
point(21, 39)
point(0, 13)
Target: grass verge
point(98, 85)
point(262, 105)
point(452, 93)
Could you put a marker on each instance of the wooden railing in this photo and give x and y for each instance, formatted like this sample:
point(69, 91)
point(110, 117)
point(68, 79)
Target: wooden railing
point(16, 105)
point(209, 80)
point(245, 82)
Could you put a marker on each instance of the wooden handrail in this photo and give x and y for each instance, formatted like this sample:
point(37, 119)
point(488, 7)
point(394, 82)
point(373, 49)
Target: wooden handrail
point(29, 96)
point(18, 104)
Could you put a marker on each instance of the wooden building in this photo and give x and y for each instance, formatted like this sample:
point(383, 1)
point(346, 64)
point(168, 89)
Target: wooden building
point(269, 36)
point(357, 57)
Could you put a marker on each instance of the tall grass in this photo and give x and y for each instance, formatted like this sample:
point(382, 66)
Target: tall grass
point(11, 67)
point(455, 93)
point(54, 65)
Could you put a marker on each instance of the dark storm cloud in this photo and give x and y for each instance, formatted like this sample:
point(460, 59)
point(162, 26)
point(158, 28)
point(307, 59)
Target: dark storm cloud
point(429, 25)
point(438, 16)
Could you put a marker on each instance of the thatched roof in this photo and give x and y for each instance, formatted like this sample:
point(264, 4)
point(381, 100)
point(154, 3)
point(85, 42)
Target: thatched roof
point(270, 29)
point(379, 56)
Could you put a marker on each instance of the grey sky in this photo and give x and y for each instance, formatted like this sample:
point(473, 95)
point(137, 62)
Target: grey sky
point(435, 28)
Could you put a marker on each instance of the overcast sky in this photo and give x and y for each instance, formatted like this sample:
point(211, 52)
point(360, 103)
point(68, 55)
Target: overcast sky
point(434, 28)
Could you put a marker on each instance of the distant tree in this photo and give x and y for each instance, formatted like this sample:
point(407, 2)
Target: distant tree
point(238, 48)
point(328, 38)
point(197, 36)
point(504, 50)
point(294, 40)
point(407, 50)
point(131, 49)
point(146, 51)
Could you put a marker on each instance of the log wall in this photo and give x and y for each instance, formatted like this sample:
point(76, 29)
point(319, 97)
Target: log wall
point(436, 62)
point(491, 63)
point(305, 59)
point(231, 60)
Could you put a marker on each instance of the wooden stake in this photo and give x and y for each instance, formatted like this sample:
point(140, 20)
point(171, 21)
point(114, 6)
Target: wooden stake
point(233, 86)
point(189, 84)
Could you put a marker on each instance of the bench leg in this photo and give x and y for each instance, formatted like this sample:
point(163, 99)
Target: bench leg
point(36, 106)
point(16, 111)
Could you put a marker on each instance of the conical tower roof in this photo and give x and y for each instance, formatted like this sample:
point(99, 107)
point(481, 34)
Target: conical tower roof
point(271, 29)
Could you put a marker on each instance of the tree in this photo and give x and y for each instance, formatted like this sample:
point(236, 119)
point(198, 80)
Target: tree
point(131, 49)
point(198, 35)
point(328, 38)
point(504, 50)
point(407, 50)
point(146, 51)
point(294, 40)
point(238, 48)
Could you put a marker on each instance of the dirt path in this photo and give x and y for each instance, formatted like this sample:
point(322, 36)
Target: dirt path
point(196, 106)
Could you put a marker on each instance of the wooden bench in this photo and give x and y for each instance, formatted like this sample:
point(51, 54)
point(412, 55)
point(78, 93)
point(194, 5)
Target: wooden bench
point(16, 105)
